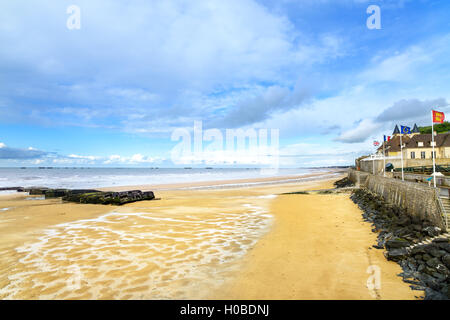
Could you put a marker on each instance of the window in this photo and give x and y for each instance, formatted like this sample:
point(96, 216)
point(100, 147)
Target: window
point(433, 155)
point(422, 154)
point(433, 143)
point(420, 144)
point(413, 155)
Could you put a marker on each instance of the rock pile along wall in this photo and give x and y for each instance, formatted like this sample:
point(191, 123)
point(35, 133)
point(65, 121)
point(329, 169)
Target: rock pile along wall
point(419, 201)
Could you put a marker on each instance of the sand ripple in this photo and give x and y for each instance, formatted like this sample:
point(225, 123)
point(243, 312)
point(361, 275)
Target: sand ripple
point(135, 255)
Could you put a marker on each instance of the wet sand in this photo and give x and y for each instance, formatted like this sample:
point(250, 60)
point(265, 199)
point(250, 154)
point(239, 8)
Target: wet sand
point(237, 183)
point(319, 248)
point(227, 243)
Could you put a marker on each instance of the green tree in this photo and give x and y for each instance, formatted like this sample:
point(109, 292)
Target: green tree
point(439, 128)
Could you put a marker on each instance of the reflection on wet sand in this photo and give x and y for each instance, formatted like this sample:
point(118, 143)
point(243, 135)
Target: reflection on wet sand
point(138, 253)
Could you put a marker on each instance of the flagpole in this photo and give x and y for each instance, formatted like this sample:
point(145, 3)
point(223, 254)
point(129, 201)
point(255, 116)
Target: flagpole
point(373, 161)
point(432, 155)
point(401, 154)
point(384, 157)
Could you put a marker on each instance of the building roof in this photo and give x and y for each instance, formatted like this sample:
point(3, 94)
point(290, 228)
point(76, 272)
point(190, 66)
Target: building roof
point(442, 140)
point(393, 145)
point(396, 130)
point(415, 129)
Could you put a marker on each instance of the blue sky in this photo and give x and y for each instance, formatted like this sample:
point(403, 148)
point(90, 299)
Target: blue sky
point(112, 92)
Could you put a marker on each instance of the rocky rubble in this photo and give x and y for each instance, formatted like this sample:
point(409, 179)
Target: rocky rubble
point(425, 262)
point(344, 183)
point(93, 196)
point(115, 198)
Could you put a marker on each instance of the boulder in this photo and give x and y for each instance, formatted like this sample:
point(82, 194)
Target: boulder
point(55, 193)
point(426, 257)
point(432, 231)
point(36, 191)
point(437, 253)
point(396, 243)
point(420, 249)
point(445, 246)
point(396, 254)
point(446, 291)
point(432, 247)
point(430, 281)
point(442, 269)
point(343, 183)
point(446, 260)
point(433, 262)
point(441, 240)
point(439, 277)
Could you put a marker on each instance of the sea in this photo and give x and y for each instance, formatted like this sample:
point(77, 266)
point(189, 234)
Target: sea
point(73, 178)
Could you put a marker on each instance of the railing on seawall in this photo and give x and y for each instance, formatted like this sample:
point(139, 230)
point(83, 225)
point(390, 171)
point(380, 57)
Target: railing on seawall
point(442, 211)
point(380, 157)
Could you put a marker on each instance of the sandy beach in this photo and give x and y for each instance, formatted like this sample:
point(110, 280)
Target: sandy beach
point(240, 242)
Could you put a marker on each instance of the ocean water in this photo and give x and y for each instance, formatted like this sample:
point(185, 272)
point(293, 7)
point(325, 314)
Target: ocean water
point(109, 177)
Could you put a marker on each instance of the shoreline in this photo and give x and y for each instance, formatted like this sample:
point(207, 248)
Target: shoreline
point(195, 181)
point(230, 183)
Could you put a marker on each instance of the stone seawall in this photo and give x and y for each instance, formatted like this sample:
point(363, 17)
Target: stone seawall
point(357, 177)
point(418, 200)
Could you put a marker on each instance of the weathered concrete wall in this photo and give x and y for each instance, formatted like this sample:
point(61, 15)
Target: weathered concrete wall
point(367, 166)
point(419, 201)
point(357, 177)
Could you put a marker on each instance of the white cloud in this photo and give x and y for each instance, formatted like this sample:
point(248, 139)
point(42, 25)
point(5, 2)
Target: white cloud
point(321, 154)
point(410, 65)
point(75, 156)
point(153, 61)
point(398, 67)
point(355, 113)
point(407, 109)
point(364, 130)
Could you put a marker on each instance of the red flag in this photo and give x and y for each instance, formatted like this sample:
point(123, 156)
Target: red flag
point(438, 117)
point(376, 143)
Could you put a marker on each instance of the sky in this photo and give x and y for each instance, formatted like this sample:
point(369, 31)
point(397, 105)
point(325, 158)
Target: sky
point(113, 91)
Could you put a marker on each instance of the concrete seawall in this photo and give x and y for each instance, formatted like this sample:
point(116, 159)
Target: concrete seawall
point(418, 200)
point(357, 177)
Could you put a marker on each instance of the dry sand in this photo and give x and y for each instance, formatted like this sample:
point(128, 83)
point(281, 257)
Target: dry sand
point(231, 243)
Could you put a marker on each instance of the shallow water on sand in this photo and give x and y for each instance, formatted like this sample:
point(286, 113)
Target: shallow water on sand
point(86, 178)
point(136, 254)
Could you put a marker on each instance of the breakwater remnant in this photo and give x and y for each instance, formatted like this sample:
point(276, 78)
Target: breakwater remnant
point(344, 183)
point(420, 247)
point(94, 196)
point(115, 198)
point(11, 189)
